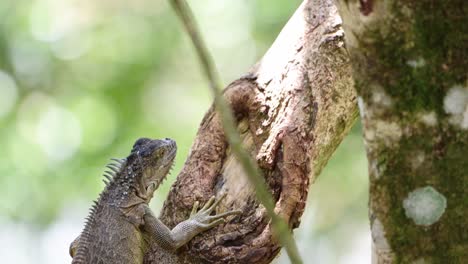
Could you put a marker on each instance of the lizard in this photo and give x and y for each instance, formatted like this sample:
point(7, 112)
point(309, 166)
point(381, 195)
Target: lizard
point(121, 225)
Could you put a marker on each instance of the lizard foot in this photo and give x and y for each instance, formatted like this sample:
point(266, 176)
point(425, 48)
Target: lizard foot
point(203, 217)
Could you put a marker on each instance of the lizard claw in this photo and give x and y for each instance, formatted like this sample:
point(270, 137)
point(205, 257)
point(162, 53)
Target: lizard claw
point(203, 216)
point(194, 208)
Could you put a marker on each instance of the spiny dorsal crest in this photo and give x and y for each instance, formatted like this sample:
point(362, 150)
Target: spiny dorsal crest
point(114, 168)
point(85, 237)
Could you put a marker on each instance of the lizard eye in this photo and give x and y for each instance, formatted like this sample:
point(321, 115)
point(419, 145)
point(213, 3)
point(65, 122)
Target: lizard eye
point(160, 152)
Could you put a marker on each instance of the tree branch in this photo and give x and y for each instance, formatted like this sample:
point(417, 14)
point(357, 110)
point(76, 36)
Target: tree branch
point(292, 109)
point(251, 168)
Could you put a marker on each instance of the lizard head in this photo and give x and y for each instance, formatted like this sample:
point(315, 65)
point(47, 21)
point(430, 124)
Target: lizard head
point(150, 162)
point(139, 175)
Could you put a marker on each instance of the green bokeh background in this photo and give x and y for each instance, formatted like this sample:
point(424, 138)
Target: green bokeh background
point(81, 80)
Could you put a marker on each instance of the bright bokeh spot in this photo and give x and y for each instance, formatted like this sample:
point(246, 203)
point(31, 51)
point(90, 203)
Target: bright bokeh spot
point(55, 240)
point(60, 23)
point(8, 92)
point(96, 135)
point(29, 113)
point(12, 235)
point(160, 110)
point(116, 39)
point(50, 20)
point(71, 46)
point(58, 133)
point(27, 159)
point(228, 34)
point(31, 62)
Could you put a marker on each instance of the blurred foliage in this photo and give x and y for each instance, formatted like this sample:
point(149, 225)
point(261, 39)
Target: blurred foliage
point(81, 80)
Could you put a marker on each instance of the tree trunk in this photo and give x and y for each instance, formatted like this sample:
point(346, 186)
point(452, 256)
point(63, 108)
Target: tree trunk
point(293, 109)
point(410, 69)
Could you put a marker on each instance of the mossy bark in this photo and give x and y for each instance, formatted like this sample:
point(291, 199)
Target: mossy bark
point(410, 70)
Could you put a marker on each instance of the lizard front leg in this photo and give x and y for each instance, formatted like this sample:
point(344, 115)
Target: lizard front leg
point(182, 233)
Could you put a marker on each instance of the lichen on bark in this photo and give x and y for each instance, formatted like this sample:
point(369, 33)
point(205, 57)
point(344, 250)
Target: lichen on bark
point(407, 57)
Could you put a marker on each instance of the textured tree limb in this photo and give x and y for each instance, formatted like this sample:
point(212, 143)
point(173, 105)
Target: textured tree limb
point(251, 168)
point(292, 110)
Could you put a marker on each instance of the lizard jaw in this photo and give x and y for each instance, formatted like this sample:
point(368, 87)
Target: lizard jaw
point(152, 186)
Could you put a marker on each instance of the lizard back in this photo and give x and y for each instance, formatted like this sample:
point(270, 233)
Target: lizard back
point(109, 237)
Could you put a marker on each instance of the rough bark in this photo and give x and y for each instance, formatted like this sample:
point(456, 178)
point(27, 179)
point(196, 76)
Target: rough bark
point(410, 68)
point(293, 108)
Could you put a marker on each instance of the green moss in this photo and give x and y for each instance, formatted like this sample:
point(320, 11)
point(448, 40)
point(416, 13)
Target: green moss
point(427, 34)
point(445, 169)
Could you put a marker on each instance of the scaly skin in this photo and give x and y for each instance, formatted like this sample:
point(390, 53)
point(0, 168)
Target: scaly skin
point(120, 221)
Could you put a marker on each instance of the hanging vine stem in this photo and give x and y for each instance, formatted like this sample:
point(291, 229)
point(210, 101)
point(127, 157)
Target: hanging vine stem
point(251, 168)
